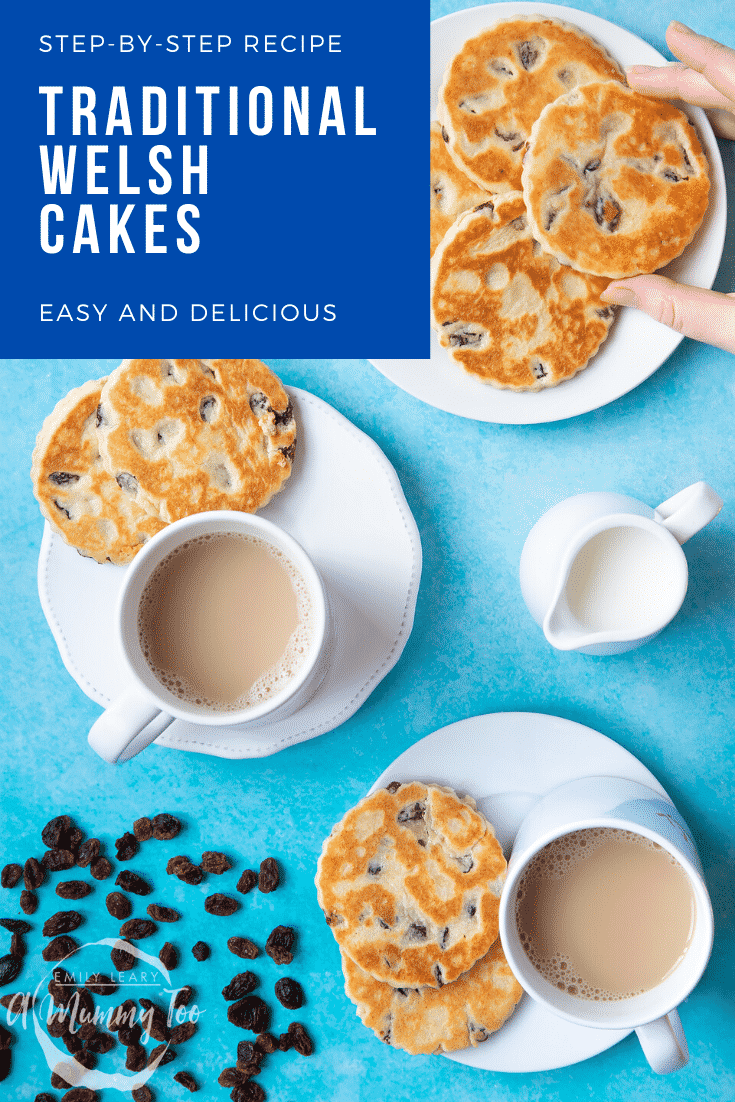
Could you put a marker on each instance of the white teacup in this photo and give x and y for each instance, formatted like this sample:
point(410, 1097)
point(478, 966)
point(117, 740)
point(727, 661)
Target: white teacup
point(625, 805)
point(144, 711)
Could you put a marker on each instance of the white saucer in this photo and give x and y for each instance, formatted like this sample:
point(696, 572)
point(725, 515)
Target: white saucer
point(637, 344)
point(345, 505)
point(506, 761)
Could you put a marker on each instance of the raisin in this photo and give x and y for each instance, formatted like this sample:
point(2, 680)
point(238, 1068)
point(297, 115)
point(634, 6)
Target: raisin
point(165, 827)
point(28, 902)
point(249, 1053)
point(243, 947)
point(142, 1094)
point(101, 1042)
point(183, 1032)
point(119, 905)
point(126, 847)
point(231, 1077)
point(154, 1021)
point(88, 852)
point(10, 875)
point(214, 862)
point(17, 946)
point(131, 882)
point(10, 967)
point(56, 832)
point(122, 1016)
point(239, 986)
point(57, 1027)
point(44, 1096)
point(187, 1080)
point(60, 948)
point(289, 993)
point(284, 1042)
point(86, 1059)
point(6, 1061)
point(80, 1094)
point(73, 1042)
point(248, 1092)
point(16, 925)
point(165, 1053)
point(300, 1039)
point(100, 984)
point(130, 1034)
point(32, 874)
point(190, 874)
point(268, 877)
point(200, 951)
point(162, 914)
point(249, 1013)
point(57, 1080)
point(169, 956)
point(223, 905)
point(137, 929)
point(136, 1058)
point(61, 988)
point(121, 958)
point(183, 997)
point(100, 868)
point(279, 944)
point(74, 840)
point(143, 829)
point(63, 922)
point(247, 881)
point(58, 860)
point(18, 1002)
point(175, 864)
point(266, 1042)
point(73, 889)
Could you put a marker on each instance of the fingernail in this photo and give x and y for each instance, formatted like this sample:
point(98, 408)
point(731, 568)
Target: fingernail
point(681, 28)
point(619, 296)
point(640, 70)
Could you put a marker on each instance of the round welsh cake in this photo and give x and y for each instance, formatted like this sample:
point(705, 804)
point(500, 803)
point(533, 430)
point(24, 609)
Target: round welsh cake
point(409, 882)
point(452, 193)
point(505, 310)
point(426, 1020)
point(497, 85)
point(80, 500)
point(188, 436)
point(615, 183)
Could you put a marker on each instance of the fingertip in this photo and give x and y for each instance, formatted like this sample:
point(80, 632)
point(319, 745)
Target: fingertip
point(619, 294)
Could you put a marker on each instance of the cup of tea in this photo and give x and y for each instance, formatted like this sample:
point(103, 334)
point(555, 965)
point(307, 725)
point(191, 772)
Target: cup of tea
point(605, 918)
point(222, 620)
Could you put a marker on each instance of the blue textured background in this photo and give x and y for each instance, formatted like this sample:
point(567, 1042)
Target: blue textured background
point(475, 490)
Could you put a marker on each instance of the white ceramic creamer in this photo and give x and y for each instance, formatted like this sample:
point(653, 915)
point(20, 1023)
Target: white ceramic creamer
point(603, 573)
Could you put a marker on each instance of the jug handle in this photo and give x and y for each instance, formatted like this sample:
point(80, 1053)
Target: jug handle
point(689, 510)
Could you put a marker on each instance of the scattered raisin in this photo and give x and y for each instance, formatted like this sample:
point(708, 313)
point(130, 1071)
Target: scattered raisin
point(88, 852)
point(266, 1042)
point(130, 1034)
point(175, 864)
point(57, 1080)
point(56, 832)
point(119, 905)
point(247, 881)
point(74, 841)
point(80, 1094)
point(300, 1039)
point(215, 862)
point(154, 1021)
point(200, 951)
point(190, 874)
point(284, 1042)
point(143, 829)
point(219, 904)
point(58, 860)
point(183, 997)
point(187, 1080)
point(100, 868)
point(61, 987)
point(10, 967)
point(289, 993)
point(131, 882)
point(136, 1058)
point(250, 1053)
point(126, 847)
point(87, 1059)
point(73, 889)
point(100, 984)
point(44, 1096)
point(249, 1013)
point(6, 1061)
point(142, 1094)
point(60, 948)
point(243, 947)
point(169, 956)
point(165, 1053)
point(239, 986)
point(138, 928)
point(165, 827)
point(56, 1027)
point(17, 946)
point(248, 1092)
point(10, 875)
point(269, 876)
point(162, 914)
point(63, 922)
point(231, 1077)
point(121, 958)
point(18, 1002)
point(73, 1042)
point(33, 874)
point(279, 944)
point(183, 1032)
point(101, 1042)
point(28, 902)
point(123, 1016)
point(15, 925)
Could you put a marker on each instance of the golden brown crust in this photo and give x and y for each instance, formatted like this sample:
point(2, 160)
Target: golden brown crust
point(429, 1020)
point(497, 85)
point(509, 313)
point(409, 882)
point(615, 183)
point(187, 436)
point(452, 193)
point(77, 496)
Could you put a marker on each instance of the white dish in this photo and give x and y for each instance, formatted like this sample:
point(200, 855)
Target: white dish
point(507, 761)
point(345, 505)
point(637, 345)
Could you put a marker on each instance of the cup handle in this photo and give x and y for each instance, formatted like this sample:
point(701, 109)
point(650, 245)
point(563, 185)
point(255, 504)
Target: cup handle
point(664, 1044)
point(689, 510)
point(130, 724)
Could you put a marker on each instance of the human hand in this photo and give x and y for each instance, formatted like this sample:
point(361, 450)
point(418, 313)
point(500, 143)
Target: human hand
point(705, 76)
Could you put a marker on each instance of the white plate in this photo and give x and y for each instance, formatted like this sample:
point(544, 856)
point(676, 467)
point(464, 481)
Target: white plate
point(637, 345)
point(507, 761)
point(345, 505)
